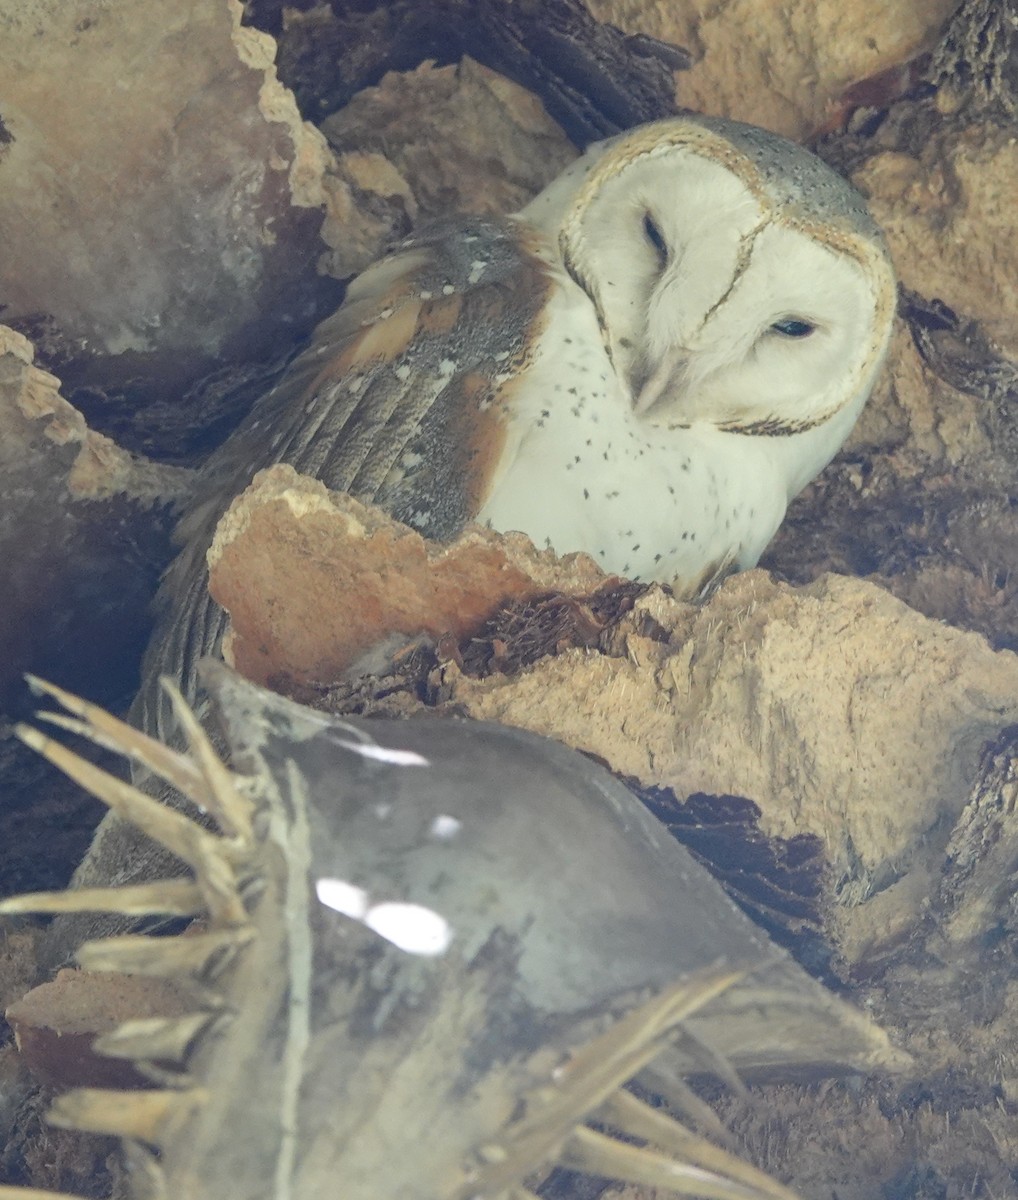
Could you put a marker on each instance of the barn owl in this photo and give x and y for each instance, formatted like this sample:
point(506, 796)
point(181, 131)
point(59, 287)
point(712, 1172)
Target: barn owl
point(646, 363)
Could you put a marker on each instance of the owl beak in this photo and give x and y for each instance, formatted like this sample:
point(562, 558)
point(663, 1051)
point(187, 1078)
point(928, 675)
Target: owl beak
point(663, 382)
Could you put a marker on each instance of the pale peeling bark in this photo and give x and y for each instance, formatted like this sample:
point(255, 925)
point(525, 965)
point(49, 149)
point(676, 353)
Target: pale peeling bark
point(160, 217)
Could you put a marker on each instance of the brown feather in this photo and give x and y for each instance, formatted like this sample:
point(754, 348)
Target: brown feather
point(398, 399)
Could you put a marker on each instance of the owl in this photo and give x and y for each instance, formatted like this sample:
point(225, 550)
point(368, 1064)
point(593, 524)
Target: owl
point(646, 363)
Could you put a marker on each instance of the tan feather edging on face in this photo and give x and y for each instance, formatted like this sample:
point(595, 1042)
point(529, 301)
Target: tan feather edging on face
point(830, 213)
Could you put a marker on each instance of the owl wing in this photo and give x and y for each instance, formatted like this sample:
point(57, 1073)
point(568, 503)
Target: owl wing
point(402, 398)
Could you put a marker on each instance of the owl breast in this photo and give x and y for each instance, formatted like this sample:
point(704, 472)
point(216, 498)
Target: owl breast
point(583, 470)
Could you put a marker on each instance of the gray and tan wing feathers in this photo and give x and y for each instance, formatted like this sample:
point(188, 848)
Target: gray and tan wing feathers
point(399, 399)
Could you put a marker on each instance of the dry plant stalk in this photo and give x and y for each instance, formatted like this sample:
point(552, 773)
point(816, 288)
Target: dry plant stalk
point(401, 986)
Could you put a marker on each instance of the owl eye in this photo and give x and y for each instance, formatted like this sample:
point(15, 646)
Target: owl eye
point(655, 237)
point(793, 327)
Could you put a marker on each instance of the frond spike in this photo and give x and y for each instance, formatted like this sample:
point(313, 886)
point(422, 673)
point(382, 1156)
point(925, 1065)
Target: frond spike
point(230, 808)
point(598, 1154)
point(712, 1061)
point(20, 1193)
point(196, 954)
point(148, 1180)
point(166, 897)
point(167, 1039)
point(177, 832)
point(660, 1079)
point(111, 733)
point(630, 1116)
point(207, 855)
point(586, 1081)
point(153, 1117)
point(619, 1054)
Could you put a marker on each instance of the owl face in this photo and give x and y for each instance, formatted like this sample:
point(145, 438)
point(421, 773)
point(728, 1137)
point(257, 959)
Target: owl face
point(737, 280)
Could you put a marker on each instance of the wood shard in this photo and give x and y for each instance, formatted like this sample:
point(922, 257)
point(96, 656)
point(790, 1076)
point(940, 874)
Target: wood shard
point(222, 253)
point(70, 501)
point(368, 583)
point(57, 1025)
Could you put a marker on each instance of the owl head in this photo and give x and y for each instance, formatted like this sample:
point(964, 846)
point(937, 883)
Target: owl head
point(736, 278)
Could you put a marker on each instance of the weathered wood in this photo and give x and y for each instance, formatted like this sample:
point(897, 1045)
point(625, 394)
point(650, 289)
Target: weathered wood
point(594, 79)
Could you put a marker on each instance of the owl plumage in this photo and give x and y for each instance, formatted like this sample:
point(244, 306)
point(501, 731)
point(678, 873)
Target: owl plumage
point(645, 364)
